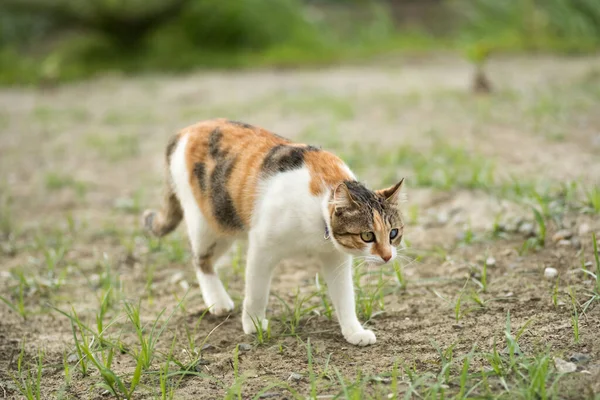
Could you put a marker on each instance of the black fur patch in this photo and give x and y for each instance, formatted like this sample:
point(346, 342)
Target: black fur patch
point(283, 158)
point(214, 144)
point(241, 124)
point(222, 204)
point(362, 195)
point(223, 207)
point(200, 173)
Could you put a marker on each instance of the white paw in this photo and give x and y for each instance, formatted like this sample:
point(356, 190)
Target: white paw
point(361, 338)
point(222, 307)
point(249, 324)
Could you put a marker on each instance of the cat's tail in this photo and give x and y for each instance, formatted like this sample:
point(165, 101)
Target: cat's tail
point(163, 222)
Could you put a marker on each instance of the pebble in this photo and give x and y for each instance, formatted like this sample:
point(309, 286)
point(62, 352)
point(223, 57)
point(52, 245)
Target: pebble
point(579, 358)
point(200, 363)
point(564, 242)
point(381, 379)
point(208, 346)
point(563, 234)
point(268, 395)
point(490, 262)
point(527, 229)
point(563, 366)
point(176, 277)
point(550, 273)
point(244, 347)
point(73, 358)
point(584, 229)
point(295, 376)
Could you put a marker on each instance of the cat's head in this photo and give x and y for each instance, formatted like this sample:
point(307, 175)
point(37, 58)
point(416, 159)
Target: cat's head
point(366, 223)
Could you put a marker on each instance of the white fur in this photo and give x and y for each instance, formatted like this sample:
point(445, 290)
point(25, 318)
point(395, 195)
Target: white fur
point(288, 222)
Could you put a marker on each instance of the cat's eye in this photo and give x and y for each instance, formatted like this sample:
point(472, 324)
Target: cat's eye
point(393, 233)
point(367, 237)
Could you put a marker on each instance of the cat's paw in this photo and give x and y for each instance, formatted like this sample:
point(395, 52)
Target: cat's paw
point(223, 307)
point(361, 338)
point(250, 324)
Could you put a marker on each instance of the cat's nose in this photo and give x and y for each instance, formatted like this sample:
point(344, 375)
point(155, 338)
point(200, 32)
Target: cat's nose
point(387, 257)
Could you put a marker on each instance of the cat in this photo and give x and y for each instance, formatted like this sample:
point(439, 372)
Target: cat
point(231, 180)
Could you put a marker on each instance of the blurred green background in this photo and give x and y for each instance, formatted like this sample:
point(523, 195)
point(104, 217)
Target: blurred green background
point(61, 40)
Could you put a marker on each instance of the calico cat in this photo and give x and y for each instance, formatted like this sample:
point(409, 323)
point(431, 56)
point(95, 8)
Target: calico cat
point(232, 180)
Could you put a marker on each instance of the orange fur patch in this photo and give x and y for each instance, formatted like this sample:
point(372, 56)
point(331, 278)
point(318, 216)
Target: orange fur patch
point(247, 146)
point(326, 171)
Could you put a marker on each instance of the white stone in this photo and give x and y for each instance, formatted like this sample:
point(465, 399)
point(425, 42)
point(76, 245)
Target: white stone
point(550, 273)
point(584, 229)
point(563, 366)
point(176, 277)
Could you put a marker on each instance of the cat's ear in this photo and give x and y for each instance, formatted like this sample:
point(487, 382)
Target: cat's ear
point(392, 193)
point(342, 198)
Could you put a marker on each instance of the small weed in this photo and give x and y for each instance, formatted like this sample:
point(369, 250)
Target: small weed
point(262, 335)
point(369, 298)
point(167, 392)
point(19, 305)
point(235, 390)
point(322, 292)
point(467, 235)
point(292, 315)
point(400, 278)
point(29, 380)
point(459, 310)
point(148, 342)
point(593, 198)
point(541, 231)
point(574, 317)
point(555, 293)
point(539, 240)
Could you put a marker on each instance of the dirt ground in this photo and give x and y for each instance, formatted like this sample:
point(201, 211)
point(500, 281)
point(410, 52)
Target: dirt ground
point(79, 163)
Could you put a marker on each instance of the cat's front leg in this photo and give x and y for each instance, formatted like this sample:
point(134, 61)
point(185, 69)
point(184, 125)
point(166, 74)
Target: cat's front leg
point(338, 275)
point(259, 270)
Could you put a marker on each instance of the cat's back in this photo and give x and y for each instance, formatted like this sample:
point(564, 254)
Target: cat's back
point(227, 160)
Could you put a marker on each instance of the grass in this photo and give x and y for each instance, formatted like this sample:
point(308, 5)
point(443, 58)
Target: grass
point(19, 305)
point(594, 294)
point(574, 317)
point(29, 378)
point(58, 181)
point(7, 222)
point(114, 148)
point(293, 314)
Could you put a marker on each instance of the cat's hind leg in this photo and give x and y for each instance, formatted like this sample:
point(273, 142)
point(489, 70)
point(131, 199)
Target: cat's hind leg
point(207, 247)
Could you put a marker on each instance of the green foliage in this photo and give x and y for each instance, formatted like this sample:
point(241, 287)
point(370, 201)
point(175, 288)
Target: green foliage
point(564, 25)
